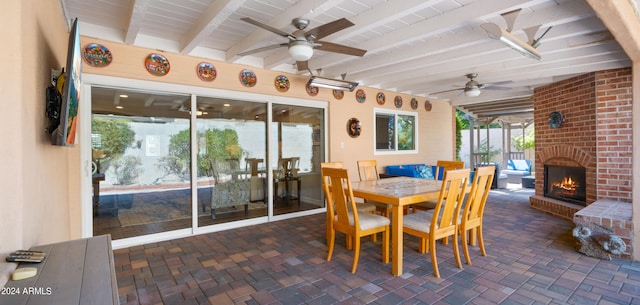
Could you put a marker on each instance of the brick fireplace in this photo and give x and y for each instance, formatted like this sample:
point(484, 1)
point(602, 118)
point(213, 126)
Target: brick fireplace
point(596, 135)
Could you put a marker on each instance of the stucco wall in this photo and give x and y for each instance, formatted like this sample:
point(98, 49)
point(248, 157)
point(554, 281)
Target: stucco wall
point(36, 184)
point(436, 127)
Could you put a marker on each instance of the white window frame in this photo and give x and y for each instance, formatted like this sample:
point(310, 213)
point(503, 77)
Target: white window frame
point(394, 150)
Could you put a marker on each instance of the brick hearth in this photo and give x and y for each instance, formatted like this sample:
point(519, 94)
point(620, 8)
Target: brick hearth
point(596, 135)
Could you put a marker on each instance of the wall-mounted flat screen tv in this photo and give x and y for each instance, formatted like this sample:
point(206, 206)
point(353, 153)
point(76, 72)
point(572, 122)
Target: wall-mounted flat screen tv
point(65, 133)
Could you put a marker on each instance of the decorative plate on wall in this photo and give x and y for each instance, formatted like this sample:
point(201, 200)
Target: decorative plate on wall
point(282, 83)
point(414, 103)
point(248, 78)
point(427, 105)
point(97, 55)
point(397, 101)
point(380, 98)
point(361, 96)
point(338, 94)
point(206, 71)
point(556, 119)
point(157, 64)
point(312, 90)
point(353, 127)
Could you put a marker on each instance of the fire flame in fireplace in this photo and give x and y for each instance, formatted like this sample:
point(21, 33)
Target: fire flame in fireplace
point(567, 184)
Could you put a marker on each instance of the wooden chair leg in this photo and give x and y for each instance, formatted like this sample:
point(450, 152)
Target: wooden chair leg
point(472, 236)
point(456, 250)
point(331, 241)
point(424, 247)
point(434, 260)
point(356, 254)
point(445, 241)
point(385, 246)
point(465, 247)
point(374, 237)
point(481, 241)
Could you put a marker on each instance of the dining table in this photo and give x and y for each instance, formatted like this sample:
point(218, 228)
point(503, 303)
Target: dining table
point(398, 192)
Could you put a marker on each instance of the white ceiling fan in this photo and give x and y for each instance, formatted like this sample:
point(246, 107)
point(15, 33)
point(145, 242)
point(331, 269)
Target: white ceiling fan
point(472, 87)
point(302, 43)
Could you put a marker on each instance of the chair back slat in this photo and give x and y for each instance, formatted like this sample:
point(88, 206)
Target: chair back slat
point(368, 170)
point(474, 207)
point(342, 195)
point(326, 186)
point(447, 210)
point(444, 165)
point(335, 164)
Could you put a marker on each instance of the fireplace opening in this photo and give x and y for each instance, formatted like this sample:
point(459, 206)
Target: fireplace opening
point(566, 183)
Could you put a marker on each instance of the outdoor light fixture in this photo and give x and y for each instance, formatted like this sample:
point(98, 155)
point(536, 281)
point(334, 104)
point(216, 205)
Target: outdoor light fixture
point(301, 50)
point(343, 85)
point(472, 92)
point(496, 32)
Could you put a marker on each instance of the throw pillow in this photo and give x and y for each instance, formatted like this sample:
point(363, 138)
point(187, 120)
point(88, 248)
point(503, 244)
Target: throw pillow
point(424, 171)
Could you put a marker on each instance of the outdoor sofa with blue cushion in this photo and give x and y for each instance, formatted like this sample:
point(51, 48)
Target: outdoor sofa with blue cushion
point(516, 169)
point(412, 170)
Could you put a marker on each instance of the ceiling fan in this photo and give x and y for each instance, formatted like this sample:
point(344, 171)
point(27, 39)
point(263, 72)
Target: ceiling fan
point(472, 87)
point(302, 43)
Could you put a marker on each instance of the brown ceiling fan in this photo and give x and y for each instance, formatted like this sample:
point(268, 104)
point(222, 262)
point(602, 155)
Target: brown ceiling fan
point(302, 43)
point(472, 87)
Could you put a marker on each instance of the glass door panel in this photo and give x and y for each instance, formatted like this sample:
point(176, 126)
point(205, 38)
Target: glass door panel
point(232, 155)
point(141, 156)
point(297, 138)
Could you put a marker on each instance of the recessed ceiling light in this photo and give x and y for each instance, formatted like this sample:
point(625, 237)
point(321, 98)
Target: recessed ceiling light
point(119, 107)
point(124, 96)
point(227, 105)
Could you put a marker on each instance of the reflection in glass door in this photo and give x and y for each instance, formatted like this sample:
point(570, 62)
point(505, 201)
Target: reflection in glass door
point(253, 159)
point(297, 138)
point(232, 154)
point(140, 155)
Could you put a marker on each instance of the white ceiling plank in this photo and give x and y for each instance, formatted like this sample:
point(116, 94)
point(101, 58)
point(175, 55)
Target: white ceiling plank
point(427, 28)
point(138, 10)
point(217, 13)
point(414, 62)
point(514, 71)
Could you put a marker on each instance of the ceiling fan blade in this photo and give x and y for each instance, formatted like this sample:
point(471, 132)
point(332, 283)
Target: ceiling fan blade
point(496, 88)
point(447, 91)
point(302, 65)
point(258, 50)
point(328, 28)
point(338, 48)
point(268, 28)
point(499, 83)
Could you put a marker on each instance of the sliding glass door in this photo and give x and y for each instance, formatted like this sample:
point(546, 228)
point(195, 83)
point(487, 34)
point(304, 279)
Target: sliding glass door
point(140, 157)
point(180, 163)
point(297, 140)
point(232, 154)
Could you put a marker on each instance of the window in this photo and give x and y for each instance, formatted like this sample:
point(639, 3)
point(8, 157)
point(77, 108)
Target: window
point(395, 131)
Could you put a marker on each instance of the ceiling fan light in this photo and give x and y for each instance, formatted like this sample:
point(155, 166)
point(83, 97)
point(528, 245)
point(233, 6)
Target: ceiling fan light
point(300, 50)
point(472, 92)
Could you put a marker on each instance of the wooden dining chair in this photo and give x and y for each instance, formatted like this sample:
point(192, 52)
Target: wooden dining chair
point(355, 225)
point(442, 221)
point(362, 207)
point(368, 171)
point(470, 224)
point(441, 167)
